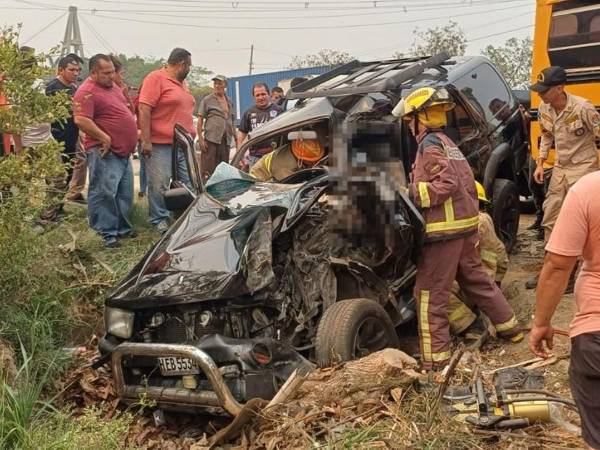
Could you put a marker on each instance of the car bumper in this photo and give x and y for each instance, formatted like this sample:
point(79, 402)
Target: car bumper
point(216, 400)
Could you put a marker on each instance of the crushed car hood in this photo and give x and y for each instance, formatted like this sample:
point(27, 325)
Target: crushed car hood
point(219, 248)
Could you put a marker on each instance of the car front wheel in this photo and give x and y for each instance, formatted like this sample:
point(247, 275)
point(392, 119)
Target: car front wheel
point(506, 211)
point(352, 329)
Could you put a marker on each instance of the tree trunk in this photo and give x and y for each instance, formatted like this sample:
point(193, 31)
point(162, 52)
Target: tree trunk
point(379, 371)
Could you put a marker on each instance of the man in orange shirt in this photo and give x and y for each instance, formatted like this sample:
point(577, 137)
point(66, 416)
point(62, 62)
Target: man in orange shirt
point(164, 101)
point(575, 235)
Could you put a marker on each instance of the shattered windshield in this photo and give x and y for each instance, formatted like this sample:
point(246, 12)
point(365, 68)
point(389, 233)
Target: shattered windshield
point(236, 190)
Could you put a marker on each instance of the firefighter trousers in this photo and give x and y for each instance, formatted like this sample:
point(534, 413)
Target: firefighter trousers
point(440, 264)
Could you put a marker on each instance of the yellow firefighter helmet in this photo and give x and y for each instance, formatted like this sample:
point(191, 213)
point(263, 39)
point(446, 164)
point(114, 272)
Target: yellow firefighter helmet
point(481, 192)
point(428, 104)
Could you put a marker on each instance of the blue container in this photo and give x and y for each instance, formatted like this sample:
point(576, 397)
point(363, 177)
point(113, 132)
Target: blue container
point(239, 89)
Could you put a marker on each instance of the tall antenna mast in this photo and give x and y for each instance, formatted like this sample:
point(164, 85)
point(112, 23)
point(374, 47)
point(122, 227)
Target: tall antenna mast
point(72, 42)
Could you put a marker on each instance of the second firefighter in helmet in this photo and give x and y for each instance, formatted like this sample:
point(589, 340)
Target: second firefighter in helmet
point(304, 150)
point(443, 187)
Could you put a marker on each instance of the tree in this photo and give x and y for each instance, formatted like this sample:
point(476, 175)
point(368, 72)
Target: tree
point(198, 77)
point(137, 67)
point(325, 57)
point(513, 59)
point(199, 92)
point(434, 40)
point(20, 74)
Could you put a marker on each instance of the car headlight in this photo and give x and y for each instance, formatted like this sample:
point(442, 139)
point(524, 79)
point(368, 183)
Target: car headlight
point(118, 322)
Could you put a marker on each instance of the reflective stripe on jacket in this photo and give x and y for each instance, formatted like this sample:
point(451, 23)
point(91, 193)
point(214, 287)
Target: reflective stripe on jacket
point(444, 188)
point(277, 165)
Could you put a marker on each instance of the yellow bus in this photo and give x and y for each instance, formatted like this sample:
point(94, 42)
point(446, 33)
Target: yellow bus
point(567, 34)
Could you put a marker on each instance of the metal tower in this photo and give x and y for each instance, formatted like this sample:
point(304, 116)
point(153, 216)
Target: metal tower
point(72, 37)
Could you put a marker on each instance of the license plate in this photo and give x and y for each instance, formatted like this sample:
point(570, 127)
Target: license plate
point(176, 365)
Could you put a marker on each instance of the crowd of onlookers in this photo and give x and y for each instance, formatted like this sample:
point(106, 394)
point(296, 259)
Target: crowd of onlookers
point(108, 125)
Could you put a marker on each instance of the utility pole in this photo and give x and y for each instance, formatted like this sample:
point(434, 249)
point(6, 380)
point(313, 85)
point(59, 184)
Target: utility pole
point(72, 37)
point(251, 65)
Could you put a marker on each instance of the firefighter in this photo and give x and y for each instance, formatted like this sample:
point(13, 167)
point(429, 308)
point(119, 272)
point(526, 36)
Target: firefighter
point(443, 186)
point(281, 163)
point(495, 263)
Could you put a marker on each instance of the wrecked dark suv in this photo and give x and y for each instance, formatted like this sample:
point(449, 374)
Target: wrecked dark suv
point(257, 279)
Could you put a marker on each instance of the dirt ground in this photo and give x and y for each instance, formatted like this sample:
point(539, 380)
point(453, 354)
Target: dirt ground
point(526, 262)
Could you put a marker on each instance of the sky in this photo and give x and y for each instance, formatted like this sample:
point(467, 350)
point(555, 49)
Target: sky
point(219, 33)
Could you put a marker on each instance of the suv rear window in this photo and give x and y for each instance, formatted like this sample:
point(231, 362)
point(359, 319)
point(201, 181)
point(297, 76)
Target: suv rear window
point(486, 92)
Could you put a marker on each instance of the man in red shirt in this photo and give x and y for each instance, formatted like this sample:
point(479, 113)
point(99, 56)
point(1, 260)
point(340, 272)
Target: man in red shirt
point(164, 101)
point(102, 113)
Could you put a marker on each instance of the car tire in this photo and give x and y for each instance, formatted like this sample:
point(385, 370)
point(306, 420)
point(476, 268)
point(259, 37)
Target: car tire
point(351, 329)
point(505, 212)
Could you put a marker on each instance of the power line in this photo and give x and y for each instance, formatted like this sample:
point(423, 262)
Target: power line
point(103, 42)
point(37, 33)
point(41, 5)
point(300, 27)
point(304, 4)
point(500, 33)
point(238, 7)
point(237, 11)
point(487, 24)
point(193, 13)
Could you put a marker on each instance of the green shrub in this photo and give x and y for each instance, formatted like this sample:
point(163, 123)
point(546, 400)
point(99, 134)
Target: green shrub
point(89, 431)
point(21, 406)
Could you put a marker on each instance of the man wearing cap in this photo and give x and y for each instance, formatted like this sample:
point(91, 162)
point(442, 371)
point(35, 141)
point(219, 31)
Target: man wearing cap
point(570, 124)
point(215, 127)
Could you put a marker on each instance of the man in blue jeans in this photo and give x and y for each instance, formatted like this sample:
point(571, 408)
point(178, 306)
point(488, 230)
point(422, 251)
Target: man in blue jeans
point(102, 113)
point(164, 102)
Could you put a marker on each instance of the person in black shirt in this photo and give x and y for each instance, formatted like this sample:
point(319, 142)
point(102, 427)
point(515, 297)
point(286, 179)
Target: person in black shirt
point(263, 111)
point(68, 133)
point(69, 68)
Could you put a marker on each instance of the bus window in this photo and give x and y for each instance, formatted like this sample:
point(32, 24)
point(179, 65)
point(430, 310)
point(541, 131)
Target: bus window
point(574, 41)
point(595, 28)
point(563, 27)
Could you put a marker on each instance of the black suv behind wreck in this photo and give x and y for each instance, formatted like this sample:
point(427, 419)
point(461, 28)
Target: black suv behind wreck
point(257, 279)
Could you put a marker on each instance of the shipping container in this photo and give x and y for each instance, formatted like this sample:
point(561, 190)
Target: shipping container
point(239, 89)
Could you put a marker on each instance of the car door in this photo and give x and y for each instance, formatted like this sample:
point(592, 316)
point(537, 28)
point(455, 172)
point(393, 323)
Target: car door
point(180, 196)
